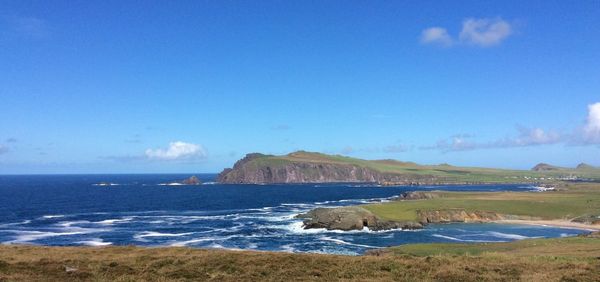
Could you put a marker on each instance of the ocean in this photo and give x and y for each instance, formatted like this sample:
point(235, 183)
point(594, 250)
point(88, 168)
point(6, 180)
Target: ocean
point(148, 210)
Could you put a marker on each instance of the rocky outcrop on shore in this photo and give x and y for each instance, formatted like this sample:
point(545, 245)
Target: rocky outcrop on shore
point(357, 218)
point(458, 215)
point(351, 218)
point(417, 195)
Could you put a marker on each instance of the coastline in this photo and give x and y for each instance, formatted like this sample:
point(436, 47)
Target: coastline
point(553, 223)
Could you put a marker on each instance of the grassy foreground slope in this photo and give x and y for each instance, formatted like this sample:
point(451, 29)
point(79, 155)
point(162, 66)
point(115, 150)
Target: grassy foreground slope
point(573, 202)
point(34, 263)
point(444, 173)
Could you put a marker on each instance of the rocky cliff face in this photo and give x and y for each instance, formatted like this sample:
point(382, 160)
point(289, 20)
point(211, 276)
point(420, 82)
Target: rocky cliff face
point(251, 170)
point(458, 215)
point(357, 218)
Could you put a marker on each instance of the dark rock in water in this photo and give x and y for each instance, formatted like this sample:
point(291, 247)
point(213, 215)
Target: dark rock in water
point(192, 181)
point(350, 218)
point(544, 167)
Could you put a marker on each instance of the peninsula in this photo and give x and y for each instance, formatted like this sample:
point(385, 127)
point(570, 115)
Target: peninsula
point(310, 167)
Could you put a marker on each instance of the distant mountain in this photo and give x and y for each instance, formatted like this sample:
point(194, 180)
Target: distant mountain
point(584, 166)
point(545, 167)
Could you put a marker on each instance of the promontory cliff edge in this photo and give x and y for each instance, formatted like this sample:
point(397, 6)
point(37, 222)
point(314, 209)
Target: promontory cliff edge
point(310, 167)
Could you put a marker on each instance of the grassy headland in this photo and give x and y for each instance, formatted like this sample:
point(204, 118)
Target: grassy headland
point(304, 166)
point(571, 202)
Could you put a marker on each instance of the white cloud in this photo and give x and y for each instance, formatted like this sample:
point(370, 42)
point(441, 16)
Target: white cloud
point(177, 151)
point(436, 35)
point(533, 136)
point(484, 32)
point(591, 130)
point(527, 137)
point(454, 143)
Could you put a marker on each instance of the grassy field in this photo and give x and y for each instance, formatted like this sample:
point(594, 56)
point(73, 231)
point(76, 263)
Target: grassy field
point(571, 201)
point(555, 247)
point(443, 172)
point(574, 259)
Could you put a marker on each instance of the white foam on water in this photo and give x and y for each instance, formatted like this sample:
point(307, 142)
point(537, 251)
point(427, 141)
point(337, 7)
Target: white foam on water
point(50, 216)
point(189, 242)
point(288, 248)
point(342, 242)
point(106, 184)
point(508, 236)
point(94, 242)
point(71, 223)
point(199, 240)
point(28, 236)
point(114, 221)
point(146, 234)
point(171, 184)
point(460, 240)
point(24, 222)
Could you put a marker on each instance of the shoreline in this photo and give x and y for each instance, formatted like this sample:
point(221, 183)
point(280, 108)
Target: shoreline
point(552, 223)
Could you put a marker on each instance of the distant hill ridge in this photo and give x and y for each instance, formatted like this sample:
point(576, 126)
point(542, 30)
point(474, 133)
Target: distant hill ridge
point(547, 167)
point(312, 167)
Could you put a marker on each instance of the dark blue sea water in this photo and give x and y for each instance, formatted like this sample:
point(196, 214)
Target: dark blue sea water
point(143, 210)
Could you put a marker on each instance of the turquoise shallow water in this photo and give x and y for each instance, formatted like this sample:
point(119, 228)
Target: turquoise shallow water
point(144, 210)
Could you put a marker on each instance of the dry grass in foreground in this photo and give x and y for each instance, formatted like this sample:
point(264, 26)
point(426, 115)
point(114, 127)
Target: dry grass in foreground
point(34, 263)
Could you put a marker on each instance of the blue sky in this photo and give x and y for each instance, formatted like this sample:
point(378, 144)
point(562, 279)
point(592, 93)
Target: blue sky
point(192, 86)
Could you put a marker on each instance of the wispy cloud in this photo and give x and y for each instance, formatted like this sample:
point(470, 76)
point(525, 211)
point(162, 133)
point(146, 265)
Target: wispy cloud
point(396, 149)
point(526, 137)
point(436, 35)
point(177, 150)
point(484, 32)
